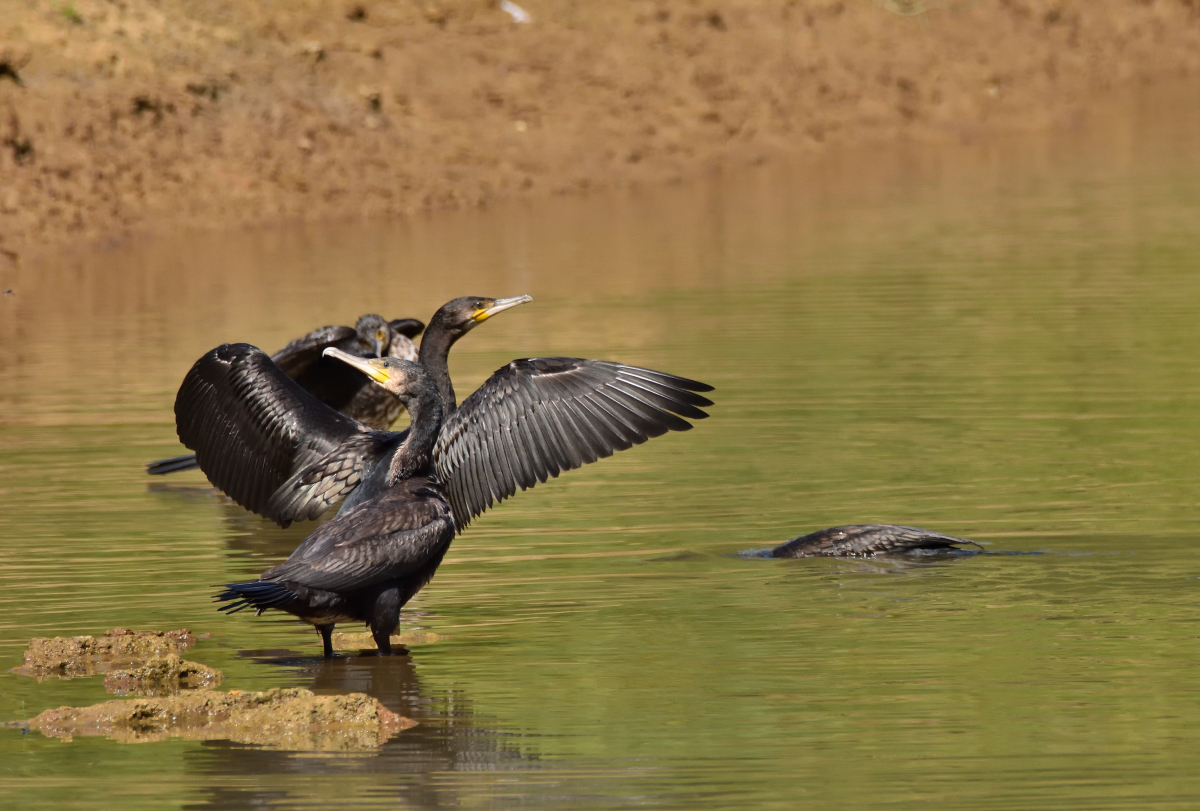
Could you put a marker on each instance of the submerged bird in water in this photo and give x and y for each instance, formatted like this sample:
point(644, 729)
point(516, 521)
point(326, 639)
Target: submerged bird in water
point(867, 540)
point(256, 433)
point(333, 383)
point(531, 420)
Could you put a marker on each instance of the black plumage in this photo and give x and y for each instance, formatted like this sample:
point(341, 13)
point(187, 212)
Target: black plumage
point(340, 387)
point(334, 383)
point(259, 439)
point(867, 540)
point(530, 421)
point(251, 425)
point(280, 453)
point(537, 417)
point(369, 561)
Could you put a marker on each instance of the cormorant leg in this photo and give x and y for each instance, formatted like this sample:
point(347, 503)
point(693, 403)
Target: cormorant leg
point(383, 642)
point(326, 632)
point(385, 618)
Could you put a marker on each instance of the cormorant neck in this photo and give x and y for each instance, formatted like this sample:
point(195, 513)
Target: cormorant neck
point(435, 357)
point(415, 453)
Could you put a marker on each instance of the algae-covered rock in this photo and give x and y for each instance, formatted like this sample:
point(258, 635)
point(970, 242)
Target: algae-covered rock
point(164, 676)
point(67, 657)
point(282, 718)
point(365, 641)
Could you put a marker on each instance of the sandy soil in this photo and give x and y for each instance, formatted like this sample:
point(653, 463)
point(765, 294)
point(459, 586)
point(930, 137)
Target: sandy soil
point(124, 115)
point(365, 642)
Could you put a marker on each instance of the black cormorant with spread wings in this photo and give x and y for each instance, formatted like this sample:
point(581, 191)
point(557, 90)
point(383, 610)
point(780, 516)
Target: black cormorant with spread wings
point(279, 452)
point(867, 540)
point(333, 383)
point(530, 421)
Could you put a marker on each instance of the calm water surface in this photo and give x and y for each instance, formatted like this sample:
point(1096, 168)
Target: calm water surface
point(999, 341)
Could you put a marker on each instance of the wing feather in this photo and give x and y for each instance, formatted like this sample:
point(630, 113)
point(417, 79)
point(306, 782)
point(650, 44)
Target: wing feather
point(302, 353)
point(252, 427)
point(328, 480)
point(550, 455)
point(535, 418)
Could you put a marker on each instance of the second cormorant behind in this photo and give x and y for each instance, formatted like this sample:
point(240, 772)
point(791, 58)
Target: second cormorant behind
point(333, 383)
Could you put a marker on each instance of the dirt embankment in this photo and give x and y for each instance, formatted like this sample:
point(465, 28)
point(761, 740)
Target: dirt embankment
point(117, 115)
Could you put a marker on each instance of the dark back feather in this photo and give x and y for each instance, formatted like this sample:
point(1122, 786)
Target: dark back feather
point(388, 538)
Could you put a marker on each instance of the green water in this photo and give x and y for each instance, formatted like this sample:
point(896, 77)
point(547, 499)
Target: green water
point(999, 341)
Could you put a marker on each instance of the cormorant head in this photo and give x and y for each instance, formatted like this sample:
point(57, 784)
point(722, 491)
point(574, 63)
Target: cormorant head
point(403, 378)
point(374, 334)
point(377, 334)
point(460, 316)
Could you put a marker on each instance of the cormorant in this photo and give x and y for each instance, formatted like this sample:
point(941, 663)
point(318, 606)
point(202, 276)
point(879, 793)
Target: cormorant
point(530, 421)
point(373, 337)
point(332, 382)
point(367, 562)
point(255, 432)
point(866, 540)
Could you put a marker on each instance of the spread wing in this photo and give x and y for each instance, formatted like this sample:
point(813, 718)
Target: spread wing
point(328, 480)
point(302, 353)
point(408, 327)
point(384, 539)
point(252, 427)
point(330, 381)
point(864, 540)
point(537, 417)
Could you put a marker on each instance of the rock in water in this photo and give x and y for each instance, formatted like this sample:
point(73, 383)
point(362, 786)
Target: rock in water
point(281, 718)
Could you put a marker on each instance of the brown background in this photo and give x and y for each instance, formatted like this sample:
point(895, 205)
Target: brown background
point(119, 116)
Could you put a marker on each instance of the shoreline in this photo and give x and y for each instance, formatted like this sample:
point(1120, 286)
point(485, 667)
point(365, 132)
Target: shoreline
point(151, 117)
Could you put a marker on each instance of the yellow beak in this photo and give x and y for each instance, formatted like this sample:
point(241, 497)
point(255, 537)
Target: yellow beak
point(498, 306)
point(371, 367)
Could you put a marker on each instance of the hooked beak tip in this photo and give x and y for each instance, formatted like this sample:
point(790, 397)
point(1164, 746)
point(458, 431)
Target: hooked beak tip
point(501, 304)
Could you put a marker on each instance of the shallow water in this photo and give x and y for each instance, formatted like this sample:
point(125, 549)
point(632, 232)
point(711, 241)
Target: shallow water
point(997, 341)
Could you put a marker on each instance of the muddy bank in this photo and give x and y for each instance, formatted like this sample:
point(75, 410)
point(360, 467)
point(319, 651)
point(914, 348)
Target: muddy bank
point(69, 657)
point(278, 719)
point(157, 113)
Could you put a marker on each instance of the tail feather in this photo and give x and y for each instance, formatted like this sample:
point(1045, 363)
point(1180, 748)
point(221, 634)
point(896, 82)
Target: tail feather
point(257, 594)
point(172, 465)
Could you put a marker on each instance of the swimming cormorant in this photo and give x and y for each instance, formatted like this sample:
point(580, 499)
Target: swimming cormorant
point(333, 383)
point(531, 420)
point(866, 540)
